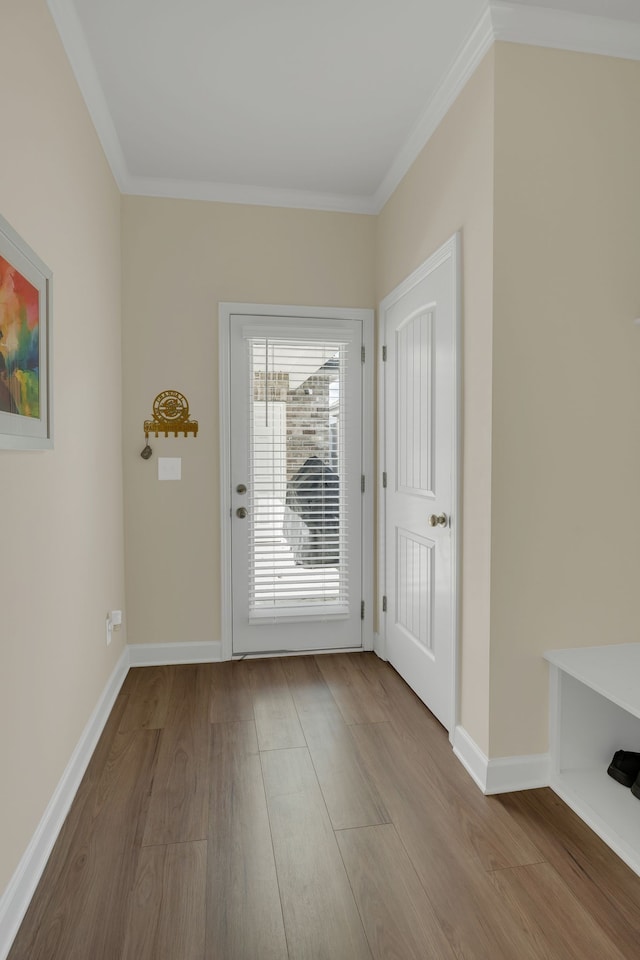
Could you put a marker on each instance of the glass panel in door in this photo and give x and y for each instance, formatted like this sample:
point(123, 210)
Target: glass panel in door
point(300, 452)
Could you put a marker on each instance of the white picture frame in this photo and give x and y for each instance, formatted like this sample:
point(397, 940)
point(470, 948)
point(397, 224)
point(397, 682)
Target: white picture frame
point(26, 421)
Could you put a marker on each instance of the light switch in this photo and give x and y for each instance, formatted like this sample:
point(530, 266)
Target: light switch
point(169, 468)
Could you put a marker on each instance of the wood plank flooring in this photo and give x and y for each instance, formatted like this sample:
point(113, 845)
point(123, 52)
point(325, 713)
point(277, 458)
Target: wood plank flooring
point(311, 808)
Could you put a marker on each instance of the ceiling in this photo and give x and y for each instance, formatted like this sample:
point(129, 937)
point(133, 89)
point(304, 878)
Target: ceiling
point(294, 102)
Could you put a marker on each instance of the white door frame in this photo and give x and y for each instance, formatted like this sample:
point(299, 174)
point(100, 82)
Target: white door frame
point(225, 311)
point(450, 250)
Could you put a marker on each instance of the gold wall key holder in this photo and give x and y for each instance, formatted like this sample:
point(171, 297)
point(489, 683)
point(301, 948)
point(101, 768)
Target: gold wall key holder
point(170, 415)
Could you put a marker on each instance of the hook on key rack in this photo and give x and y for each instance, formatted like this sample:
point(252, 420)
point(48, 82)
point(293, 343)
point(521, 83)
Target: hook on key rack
point(170, 415)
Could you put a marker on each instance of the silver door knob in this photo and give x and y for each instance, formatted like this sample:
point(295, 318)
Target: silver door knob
point(241, 488)
point(438, 520)
point(241, 512)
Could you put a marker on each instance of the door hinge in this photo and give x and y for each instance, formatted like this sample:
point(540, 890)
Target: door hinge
point(384, 604)
point(362, 610)
point(362, 483)
point(384, 479)
point(384, 354)
point(362, 353)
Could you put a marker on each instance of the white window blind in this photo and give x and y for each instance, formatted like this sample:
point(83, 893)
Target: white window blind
point(298, 468)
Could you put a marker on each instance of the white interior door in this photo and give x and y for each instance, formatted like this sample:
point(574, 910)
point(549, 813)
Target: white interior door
point(295, 477)
point(419, 324)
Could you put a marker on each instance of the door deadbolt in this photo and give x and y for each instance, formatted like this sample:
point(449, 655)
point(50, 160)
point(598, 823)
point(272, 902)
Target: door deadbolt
point(241, 488)
point(438, 520)
point(241, 512)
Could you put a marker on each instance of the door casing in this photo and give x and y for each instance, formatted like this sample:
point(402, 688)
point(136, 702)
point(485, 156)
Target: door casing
point(225, 311)
point(450, 249)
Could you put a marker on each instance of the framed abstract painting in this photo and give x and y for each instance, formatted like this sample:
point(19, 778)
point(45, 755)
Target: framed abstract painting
point(25, 346)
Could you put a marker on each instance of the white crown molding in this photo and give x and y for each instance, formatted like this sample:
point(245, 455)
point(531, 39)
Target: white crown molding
point(513, 23)
point(477, 44)
point(562, 30)
point(77, 50)
point(247, 194)
point(76, 47)
point(501, 20)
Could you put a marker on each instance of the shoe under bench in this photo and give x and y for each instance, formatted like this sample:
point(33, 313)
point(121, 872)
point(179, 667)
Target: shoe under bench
point(594, 711)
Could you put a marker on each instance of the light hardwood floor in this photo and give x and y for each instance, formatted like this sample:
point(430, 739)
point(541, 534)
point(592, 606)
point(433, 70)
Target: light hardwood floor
point(311, 809)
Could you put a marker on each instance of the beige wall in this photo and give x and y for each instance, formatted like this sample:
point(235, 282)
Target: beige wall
point(181, 258)
point(450, 188)
point(541, 151)
point(566, 373)
point(62, 539)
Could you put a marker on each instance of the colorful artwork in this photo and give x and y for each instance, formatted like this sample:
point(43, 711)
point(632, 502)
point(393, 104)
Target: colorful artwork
point(19, 343)
point(26, 421)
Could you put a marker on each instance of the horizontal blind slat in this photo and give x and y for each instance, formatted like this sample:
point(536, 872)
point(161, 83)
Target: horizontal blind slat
point(297, 496)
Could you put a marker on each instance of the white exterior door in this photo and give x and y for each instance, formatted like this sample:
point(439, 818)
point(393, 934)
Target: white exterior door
point(296, 405)
point(419, 325)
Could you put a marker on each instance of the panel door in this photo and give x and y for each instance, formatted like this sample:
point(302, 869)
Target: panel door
point(420, 389)
point(296, 463)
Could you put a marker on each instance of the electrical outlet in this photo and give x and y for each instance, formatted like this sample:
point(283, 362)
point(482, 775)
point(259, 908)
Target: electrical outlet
point(113, 622)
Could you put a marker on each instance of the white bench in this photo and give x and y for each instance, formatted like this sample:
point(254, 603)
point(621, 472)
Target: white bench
point(594, 711)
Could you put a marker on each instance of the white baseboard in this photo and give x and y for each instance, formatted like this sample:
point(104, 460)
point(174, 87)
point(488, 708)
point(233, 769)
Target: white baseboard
point(470, 756)
point(504, 774)
point(507, 774)
point(165, 654)
point(380, 646)
point(17, 896)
